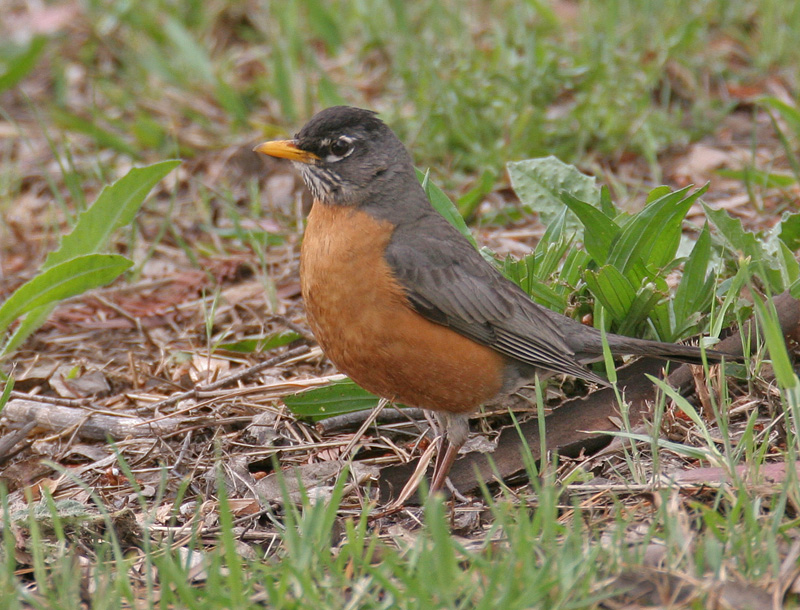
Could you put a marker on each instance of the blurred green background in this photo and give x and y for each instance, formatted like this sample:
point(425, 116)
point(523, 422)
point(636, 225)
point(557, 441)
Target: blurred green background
point(467, 85)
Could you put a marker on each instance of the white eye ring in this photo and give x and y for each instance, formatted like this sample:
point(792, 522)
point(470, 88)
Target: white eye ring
point(339, 149)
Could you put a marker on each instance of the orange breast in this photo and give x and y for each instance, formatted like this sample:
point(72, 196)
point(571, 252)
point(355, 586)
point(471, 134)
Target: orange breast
point(362, 320)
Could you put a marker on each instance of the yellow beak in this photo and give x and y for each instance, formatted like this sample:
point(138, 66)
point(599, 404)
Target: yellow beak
point(286, 149)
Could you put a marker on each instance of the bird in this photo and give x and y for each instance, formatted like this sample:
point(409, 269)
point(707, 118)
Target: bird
point(401, 302)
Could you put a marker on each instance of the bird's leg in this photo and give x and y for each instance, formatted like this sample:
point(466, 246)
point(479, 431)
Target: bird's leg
point(454, 431)
point(444, 460)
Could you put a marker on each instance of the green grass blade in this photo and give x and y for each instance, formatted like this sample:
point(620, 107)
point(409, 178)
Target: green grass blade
point(574, 264)
point(686, 407)
point(791, 157)
point(773, 337)
point(444, 206)
point(553, 233)
point(731, 296)
point(790, 114)
point(260, 344)
point(759, 177)
point(20, 65)
point(324, 24)
point(469, 201)
point(282, 84)
point(6, 392)
point(102, 137)
point(694, 453)
point(606, 204)
point(190, 54)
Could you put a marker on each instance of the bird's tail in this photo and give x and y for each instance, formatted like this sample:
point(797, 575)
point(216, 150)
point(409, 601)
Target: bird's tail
point(628, 346)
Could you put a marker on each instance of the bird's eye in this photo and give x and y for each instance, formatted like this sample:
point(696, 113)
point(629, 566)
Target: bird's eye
point(341, 147)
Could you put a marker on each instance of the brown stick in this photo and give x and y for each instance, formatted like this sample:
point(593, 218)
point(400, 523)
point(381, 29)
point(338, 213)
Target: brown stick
point(239, 375)
point(93, 426)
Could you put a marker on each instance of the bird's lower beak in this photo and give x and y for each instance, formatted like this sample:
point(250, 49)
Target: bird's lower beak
point(286, 149)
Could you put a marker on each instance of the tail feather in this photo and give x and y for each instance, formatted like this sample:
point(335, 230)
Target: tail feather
point(628, 346)
point(669, 351)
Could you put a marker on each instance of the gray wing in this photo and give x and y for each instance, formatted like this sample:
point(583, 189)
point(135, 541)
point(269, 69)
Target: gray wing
point(448, 282)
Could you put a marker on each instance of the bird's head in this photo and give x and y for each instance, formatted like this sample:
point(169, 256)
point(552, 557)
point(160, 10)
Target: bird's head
point(344, 155)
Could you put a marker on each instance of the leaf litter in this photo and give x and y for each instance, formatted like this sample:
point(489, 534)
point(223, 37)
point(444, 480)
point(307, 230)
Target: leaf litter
point(109, 365)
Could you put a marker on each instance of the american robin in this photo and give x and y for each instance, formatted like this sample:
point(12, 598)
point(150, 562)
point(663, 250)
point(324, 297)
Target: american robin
point(401, 302)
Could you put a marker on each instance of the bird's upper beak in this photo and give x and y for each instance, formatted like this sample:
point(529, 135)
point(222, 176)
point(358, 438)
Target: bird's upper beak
point(286, 149)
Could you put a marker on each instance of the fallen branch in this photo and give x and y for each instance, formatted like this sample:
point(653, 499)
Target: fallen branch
point(89, 425)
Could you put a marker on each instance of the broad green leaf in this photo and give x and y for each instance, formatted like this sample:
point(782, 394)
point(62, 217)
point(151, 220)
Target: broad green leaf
point(571, 270)
point(116, 206)
point(260, 344)
point(696, 288)
point(551, 258)
point(763, 254)
point(599, 231)
point(790, 269)
point(789, 232)
point(334, 399)
point(646, 299)
point(444, 206)
point(794, 289)
point(61, 281)
point(544, 294)
point(608, 207)
point(20, 65)
point(539, 183)
point(660, 318)
point(553, 233)
point(523, 273)
point(657, 193)
point(652, 236)
point(612, 289)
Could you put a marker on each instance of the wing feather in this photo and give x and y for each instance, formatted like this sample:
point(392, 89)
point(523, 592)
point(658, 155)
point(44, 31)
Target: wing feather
point(448, 282)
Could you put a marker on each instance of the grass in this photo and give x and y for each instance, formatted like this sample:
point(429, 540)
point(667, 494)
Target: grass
point(469, 87)
point(557, 548)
